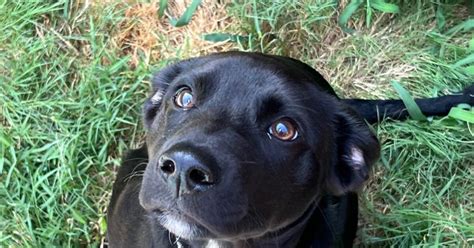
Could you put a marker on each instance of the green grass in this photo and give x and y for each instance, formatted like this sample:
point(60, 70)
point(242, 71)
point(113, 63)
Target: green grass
point(70, 105)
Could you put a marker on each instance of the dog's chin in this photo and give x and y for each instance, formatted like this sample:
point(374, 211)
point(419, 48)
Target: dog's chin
point(184, 227)
point(187, 228)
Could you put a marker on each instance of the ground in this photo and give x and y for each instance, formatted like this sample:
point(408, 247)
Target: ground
point(73, 75)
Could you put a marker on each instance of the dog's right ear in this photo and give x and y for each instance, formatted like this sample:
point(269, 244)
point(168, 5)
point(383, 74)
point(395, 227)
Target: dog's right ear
point(357, 150)
point(160, 83)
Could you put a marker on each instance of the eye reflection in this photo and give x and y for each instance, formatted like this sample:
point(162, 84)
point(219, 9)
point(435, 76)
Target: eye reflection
point(184, 98)
point(284, 129)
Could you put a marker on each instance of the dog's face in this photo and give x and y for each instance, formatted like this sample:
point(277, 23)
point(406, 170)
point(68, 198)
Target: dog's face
point(243, 144)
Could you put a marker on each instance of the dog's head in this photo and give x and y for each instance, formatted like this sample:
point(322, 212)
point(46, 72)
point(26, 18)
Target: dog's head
point(243, 144)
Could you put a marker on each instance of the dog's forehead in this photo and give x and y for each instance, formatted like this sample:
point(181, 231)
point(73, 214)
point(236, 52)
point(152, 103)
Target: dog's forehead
point(249, 77)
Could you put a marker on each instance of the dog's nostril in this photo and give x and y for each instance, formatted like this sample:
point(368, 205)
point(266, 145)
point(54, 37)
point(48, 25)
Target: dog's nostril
point(168, 166)
point(200, 177)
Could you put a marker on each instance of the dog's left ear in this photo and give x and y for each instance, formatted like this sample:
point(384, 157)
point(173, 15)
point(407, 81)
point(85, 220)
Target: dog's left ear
point(357, 150)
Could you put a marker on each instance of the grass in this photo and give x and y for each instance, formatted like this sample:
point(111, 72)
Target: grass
point(73, 77)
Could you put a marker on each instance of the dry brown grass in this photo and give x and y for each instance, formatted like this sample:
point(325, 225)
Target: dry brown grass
point(146, 37)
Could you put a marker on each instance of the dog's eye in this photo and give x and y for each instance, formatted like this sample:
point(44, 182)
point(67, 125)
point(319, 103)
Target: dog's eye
point(284, 129)
point(184, 98)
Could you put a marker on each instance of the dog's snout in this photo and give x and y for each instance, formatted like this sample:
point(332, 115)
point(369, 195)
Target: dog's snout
point(184, 173)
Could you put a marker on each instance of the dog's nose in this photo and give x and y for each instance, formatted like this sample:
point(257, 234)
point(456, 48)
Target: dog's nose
point(184, 173)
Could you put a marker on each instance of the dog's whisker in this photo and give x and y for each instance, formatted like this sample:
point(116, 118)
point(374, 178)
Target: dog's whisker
point(135, 172)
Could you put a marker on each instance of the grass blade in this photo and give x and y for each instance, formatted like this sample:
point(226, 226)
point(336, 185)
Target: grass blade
point(77, 216)
point(461, 114)
point(368, 18)
point(219, 37)
point(163, 7)
point(463, 26)
point(469, 70)
point(385, 7)
point(103, 225)
point(255, 19)
point(347, 13)
point(413, 110)
point(446, 187)
point(440, 19)
point(188, 14)
point(467, 60)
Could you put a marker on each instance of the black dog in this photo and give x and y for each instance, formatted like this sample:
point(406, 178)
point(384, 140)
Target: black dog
point(249, 150)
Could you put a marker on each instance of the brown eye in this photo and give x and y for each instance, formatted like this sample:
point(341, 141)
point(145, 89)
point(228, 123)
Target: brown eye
point(184, 98)
point(284, 129)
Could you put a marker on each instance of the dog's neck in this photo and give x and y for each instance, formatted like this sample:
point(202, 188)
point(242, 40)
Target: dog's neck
point(287, 236)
